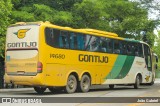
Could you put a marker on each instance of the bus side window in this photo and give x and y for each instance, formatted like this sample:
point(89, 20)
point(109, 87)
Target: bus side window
point(123, 47)
point(140, 50)
point(103, 45)
point(73, 41)
point(64, 39)
point(109, 45)
point(129, 51)
point(116, 47)
point(87, 40)
point(49, 36)
point(137, 49)
point(80, 41)
point(94, 44)
point(56, 37)
point(52, 37)
point(133, 49)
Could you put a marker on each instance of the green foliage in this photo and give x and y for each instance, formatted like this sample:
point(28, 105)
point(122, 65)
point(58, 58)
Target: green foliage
point(42, 12)
point(2, 46)
point(5, 11)
point(60, 5)
point(89, 14)
point(63, 18)
point(156, 48)
point(126, 18)
point(157, 45)
point(22, 15)
point(150, 38)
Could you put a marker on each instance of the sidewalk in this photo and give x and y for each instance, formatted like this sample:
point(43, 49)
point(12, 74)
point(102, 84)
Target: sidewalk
point(157, 80)
point(16, 89)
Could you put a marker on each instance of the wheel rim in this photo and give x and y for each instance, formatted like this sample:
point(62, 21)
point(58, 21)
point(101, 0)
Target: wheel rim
point(71, 84)
point(138, 82)
point(85, 83)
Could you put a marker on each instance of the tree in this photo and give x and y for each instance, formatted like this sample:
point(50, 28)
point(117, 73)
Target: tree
point(152, 6)
point(156, 49)
point(40, 10)
point(5, 11)
point(127, 19)
point(157, 45)
point(89, 14)
point(61, 5)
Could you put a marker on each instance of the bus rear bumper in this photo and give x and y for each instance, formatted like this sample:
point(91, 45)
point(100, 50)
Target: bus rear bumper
point(25, 80)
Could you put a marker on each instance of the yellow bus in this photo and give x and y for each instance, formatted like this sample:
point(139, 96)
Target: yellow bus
point(43, 55)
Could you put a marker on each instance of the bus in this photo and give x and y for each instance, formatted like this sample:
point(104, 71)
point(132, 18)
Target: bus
point(47, 56)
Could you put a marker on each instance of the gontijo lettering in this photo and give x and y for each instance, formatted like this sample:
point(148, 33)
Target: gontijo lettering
point(93, 58)
point(21, 44)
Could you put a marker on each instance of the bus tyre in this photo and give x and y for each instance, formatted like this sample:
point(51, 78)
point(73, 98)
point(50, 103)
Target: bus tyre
point(151, 82)
point(84, 84)
point(40, 90)
point(111, 86)
point(71, 84)
point(137, 82)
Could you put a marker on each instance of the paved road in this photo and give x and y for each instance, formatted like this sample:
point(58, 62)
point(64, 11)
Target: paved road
point(100, 91)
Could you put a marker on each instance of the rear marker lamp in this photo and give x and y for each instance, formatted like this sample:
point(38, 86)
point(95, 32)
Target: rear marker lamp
point(39, 67)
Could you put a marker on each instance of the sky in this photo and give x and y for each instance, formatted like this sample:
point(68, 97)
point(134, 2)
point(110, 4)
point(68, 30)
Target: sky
point(154, 13)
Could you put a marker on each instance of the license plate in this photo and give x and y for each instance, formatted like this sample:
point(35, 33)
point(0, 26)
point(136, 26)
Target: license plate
point(20, 72)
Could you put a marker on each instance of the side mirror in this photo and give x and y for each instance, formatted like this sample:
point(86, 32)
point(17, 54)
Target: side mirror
point(156, 59)
point(156, 66)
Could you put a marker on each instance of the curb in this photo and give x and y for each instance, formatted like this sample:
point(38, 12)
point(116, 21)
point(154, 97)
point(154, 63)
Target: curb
point(16, 89)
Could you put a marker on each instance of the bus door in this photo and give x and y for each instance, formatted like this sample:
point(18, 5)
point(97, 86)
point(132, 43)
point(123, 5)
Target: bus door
point(148, 60)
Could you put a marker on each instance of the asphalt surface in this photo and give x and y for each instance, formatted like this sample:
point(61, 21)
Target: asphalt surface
point(96, 91)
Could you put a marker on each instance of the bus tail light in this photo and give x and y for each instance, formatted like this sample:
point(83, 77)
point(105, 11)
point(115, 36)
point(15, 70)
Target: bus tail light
point(39, 67)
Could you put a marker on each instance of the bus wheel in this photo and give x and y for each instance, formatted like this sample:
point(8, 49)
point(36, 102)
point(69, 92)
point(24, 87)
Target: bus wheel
point(71, 84)
point(137, 82)
point(84, 84)
point(111, 86)
point(40, 90)
point(151, 82)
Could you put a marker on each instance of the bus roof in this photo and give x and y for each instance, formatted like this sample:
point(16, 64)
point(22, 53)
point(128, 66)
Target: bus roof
point(26, 23)
point(86, 31)
point(100, 32)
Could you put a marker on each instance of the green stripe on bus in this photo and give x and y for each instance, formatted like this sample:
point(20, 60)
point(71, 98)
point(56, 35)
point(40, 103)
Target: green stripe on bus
point(118, 65)
point(126, 67)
